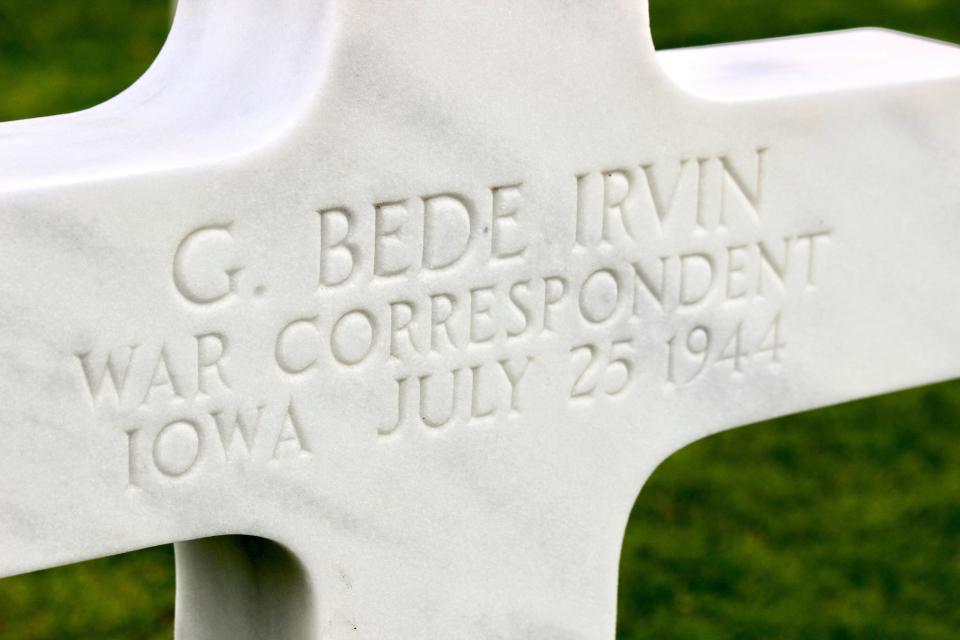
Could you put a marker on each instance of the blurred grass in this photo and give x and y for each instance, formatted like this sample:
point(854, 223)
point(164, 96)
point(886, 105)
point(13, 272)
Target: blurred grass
point(64, 55)
point(118, 598)
point(842, 523)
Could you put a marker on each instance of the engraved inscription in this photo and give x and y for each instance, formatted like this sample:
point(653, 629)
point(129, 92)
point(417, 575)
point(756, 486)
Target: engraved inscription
point(455, 307)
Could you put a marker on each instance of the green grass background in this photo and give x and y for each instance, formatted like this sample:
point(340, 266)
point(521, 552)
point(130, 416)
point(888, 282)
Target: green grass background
point(842, 523)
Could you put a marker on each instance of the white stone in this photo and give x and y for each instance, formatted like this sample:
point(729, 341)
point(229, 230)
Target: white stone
point(221, 288)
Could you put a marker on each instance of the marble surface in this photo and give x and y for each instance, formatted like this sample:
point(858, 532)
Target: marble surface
point(384, 314)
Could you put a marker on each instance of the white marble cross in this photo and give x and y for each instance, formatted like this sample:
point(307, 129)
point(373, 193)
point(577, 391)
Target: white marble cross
point(386, 311)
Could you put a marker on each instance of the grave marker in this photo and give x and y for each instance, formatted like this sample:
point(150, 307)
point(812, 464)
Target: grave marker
point(385, 315)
